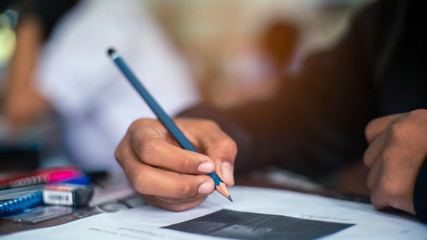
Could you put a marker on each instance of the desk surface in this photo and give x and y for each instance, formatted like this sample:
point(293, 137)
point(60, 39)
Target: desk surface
point(114, 194)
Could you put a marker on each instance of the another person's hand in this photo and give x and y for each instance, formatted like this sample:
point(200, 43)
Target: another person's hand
point(396, 152)
point(169, 176)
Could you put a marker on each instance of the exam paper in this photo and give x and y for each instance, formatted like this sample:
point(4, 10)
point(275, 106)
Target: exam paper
point(146, 222)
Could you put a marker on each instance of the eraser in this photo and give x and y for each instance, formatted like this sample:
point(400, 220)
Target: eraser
point(67, 194)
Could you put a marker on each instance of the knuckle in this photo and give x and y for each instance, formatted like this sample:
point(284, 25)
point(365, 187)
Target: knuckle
point(137, 183)
point(118, 154)
point(184, 191)
point(419, 113)
point(135, 125)
point(398, 131)
point(122, 153)
point(148, 149)
point(226, 144)
point(140, 123)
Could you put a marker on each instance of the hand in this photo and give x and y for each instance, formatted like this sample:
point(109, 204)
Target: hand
point(396, 152)
point(169, 176)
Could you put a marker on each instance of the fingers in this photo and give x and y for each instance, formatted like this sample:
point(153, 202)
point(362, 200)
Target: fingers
point(377, 183)
point(146, 179)
point(172, 203)
point(396, 152)
point(152, 149)
point(223, 151)
point(169, 176)
point(374, 175)
point(392, 177)
point(374, 150)
point(156, 152)
point(378, 199)
point(378, 125)
point(220, 148)
point(389, 188)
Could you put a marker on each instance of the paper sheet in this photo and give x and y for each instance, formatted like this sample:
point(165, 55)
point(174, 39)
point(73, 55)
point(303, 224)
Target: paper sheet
point(146, 222)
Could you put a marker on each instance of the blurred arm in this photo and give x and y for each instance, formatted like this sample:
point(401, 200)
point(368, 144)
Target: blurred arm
point(23, 104)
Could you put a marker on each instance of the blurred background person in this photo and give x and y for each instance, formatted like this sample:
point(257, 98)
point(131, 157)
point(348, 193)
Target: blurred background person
point(60, 64)
point(231, 50)
point(225, 42)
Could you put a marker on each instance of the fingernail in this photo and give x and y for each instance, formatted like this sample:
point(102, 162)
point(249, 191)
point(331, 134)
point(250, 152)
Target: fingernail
point(206, 167)
point(206, 188)
point(227, 171)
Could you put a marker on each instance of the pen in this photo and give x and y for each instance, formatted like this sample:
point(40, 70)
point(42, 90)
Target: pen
point(20, 204)
point(163, 117)
point(39, 177)
point(56, 194)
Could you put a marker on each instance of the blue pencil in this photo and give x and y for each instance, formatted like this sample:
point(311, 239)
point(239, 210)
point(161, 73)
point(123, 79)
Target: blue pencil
point(163, 116)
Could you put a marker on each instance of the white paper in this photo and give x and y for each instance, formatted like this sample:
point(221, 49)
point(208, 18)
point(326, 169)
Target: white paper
point(145, 222)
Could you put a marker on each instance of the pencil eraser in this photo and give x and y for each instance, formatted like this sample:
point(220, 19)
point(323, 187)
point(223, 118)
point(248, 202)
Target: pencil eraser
point(111, 51)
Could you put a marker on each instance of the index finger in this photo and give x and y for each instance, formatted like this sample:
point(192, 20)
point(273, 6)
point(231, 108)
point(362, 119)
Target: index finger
point(153, 148)
point(217, 145)
point(379, 125)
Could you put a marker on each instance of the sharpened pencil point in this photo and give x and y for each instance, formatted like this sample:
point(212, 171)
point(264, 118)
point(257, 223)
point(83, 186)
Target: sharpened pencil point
point(229, 198)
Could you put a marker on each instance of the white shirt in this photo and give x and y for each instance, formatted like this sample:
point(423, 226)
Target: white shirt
point(85, 87)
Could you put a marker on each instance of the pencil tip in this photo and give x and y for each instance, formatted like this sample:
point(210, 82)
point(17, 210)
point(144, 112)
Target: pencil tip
point(111, 51)
point(229, 198)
